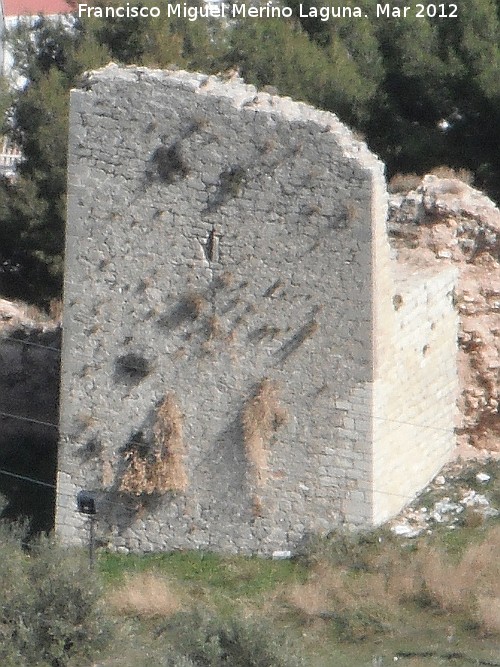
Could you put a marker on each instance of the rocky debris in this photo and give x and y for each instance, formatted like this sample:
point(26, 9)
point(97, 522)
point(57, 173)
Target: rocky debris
point(30, 344)
point(446, 221)
point(463, 494)
point(17, 315)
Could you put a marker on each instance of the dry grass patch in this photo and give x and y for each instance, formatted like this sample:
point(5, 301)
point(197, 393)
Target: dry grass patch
point(336, 588)
point(147, 595)
point(107, 474)
point(34, 313)
point(162, 469)
point(193, 304)
point(364, 597)
point(440, 584)
point(214, 327)
point(404, 183)
point(261, 417)
point(464, 175)
point(457, 587)
point(56, 310)
point(84, 421)
point(357, 604)
point(488, 614)
point(319, 593)
point(226, 279)
point(469, 587)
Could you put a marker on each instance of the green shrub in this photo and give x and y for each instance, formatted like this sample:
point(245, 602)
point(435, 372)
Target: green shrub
point(354, 550)
point(213, 642)
point(49, 613)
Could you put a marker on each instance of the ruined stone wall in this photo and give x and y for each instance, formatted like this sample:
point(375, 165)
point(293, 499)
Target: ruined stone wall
point(219, 318)
point(445, 222)
point(415, 380)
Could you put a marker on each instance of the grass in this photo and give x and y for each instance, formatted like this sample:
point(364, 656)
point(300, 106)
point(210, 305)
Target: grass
point(350, 601)
point(403, 183)
point(464, 175)
point(235, 575)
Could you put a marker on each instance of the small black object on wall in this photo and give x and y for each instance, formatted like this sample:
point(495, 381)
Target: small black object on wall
point(86, 505)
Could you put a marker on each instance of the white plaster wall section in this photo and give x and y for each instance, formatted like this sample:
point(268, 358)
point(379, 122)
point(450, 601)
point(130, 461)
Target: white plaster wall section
point(415, 407)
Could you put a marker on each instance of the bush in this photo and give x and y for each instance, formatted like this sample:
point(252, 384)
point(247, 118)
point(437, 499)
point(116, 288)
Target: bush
point(354, 550)
point(404, 183)
point(212, 642)
point(50, 613)
point(357, 604)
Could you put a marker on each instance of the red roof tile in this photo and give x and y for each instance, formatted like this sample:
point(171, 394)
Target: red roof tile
point(35, 7)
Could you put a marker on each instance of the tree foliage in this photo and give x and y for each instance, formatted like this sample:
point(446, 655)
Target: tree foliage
point(423, 91)
point(32, 207)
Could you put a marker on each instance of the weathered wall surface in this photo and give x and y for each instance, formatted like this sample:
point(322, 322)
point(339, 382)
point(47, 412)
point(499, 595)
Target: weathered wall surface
point(219, 316)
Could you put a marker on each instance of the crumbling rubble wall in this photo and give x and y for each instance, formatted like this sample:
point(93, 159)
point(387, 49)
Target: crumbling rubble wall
point(446, 223)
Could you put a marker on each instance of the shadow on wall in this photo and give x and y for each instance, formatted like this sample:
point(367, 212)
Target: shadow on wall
point(29, 388)
point(21, 500)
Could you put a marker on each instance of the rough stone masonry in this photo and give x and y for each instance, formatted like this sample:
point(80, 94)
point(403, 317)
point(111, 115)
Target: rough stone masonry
point(244, 363)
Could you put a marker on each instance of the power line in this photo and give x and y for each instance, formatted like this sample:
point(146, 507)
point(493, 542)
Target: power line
point(132, 367)
point(32, 480)
point(125, 504)
point(149, 446)
point(28, 419)
point(12, 339)
point(27, 479)
point(350, 413)
point(28, 342)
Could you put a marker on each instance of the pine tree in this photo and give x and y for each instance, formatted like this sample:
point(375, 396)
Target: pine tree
point(32, 207)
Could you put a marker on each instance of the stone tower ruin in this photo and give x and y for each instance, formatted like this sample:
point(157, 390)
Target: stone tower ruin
point(244, 362)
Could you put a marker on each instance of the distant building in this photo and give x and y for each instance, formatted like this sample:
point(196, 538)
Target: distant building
point(10, 156)
point(11, 11)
